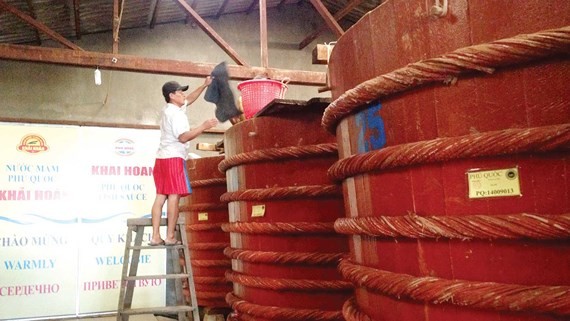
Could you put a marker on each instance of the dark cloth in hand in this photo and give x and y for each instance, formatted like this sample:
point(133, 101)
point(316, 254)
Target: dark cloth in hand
point(220, 93)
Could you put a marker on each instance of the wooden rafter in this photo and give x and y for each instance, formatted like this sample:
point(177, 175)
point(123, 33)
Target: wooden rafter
point(77, 18)
point(222, 9)
point(130, 63)
point(329, 20)
point(33, 15)
point(188, 18)
point(117, 15)
point(212, 34)
point(337, 16)
point(281, 4)
point(263, 33)
point(252, 6)
point(38, 25)
point(154, 14)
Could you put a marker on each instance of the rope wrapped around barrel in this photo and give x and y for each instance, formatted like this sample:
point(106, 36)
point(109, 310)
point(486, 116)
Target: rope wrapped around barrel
point(484, 295)
point(495, 143)
point(556, 138)
point(269, 257)
point(283, 193)
point(205, 206)
point(468, 227)
point(207, 246)
point(280, 153)
point(446, 68)
point(211, 263)
point(208, 182)
point(488, 295)
point(250, 311)
point(282, 284)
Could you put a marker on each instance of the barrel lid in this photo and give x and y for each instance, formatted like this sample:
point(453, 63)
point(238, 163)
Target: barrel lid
point(284, 106)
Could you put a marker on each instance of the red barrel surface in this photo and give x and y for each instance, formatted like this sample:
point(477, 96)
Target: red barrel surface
point(283, 207)
point(205, 214)
point(453, 136)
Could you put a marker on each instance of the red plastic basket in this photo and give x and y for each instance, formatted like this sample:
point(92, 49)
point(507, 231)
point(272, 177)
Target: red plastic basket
point(257, 93)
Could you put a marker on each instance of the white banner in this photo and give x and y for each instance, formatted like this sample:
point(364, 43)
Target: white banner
point(65, 195)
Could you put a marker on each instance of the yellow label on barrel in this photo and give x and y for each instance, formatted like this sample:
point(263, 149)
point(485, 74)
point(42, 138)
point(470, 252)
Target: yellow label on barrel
point(258, 211)
point(202, 216)
point(494, 183)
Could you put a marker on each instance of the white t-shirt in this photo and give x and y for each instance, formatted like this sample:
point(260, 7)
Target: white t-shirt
point(173, 123)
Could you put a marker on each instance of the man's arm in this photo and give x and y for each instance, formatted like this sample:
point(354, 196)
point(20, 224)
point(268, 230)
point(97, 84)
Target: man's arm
point(195, 132)
point(198, 91)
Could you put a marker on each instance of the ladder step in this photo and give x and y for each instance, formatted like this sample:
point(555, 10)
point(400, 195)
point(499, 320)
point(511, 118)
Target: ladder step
point(168, 309)
point(159, 276)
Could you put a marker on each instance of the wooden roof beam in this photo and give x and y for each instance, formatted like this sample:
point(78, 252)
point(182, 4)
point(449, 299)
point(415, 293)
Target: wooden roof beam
point(252, 6)
point(38, 25)
point(329, 19)
point(117, 16)
point(263, 33)
point(154, 14)
point(212, 34)
point(337, 16)
point(222, 9)
point(77, 18)
point(33, 15)
point(130, 63)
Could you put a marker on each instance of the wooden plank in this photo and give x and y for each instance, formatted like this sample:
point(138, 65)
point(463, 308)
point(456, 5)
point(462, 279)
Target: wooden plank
point(151, 65)
point(77, 19)
point(338, 15)
point(159, 276)
point(166, 310)
point(212, 34)
point(329, 19)
point(117, 14)
point(321, 54)
point(263, 33)
point(222, 9)
point(154, 14)
point(33, 15)
point(38, 25)
point(279, 106)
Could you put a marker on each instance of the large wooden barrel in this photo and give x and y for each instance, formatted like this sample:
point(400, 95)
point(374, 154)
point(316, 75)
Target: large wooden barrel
point(205, 214)
point(453, 135)
point(283, 206)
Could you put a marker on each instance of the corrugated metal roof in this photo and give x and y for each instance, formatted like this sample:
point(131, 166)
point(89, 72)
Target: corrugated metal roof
point(97, 15)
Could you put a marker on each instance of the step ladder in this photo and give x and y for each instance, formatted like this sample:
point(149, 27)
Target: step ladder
point(130, 265)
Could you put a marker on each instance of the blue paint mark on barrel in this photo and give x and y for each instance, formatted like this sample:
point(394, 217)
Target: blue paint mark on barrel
point(371, 134)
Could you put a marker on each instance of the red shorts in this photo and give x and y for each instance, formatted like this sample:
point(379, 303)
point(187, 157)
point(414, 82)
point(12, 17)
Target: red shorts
point(171, 176)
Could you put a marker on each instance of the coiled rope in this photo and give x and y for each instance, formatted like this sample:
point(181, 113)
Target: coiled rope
point(279, 227)
point(207, 246)
point(208, 182)
point(267, 257)
point(283, 153)
point(283, 284)
point(204, 227)
point(516, 226)
point(279, 313)
point(283, 193)
point(485, 295)
point(495, 143)
point(483, 58)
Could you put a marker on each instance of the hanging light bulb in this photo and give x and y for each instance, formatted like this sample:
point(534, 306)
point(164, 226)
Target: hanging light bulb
point(97, 77)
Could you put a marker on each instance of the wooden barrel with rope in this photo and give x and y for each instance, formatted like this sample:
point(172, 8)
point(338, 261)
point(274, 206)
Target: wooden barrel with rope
point(453, 127)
